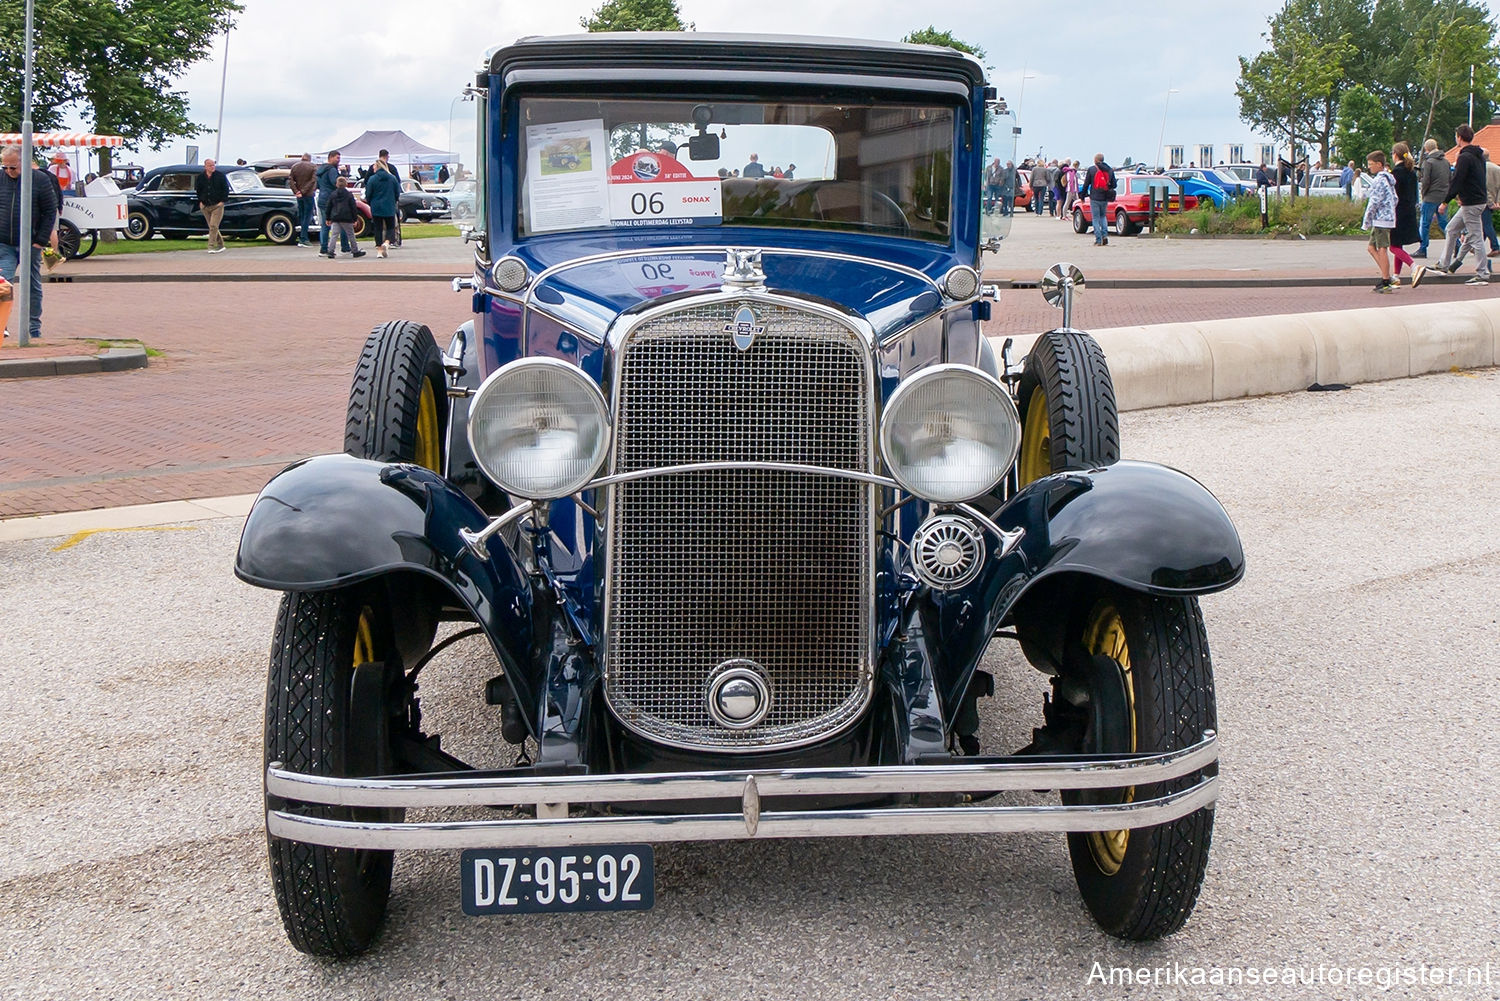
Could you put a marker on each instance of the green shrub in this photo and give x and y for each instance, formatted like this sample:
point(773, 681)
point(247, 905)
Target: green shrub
point(1308, 216)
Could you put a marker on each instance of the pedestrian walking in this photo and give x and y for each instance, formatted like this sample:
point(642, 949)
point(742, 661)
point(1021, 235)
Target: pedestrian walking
point(1008, 189)
point(1099, 185)
point(1038, 188)
point(1054, 189)
point(303, 181)
point(1346, 180)
point(1469, 186)
point(212, 189)
point(1380, 218)
point(1404, 173)
point(1492, 187)
point(327, 179)
point(382, 192)
point(1070, 189)
point(341, 216)
point(992, 185)
point(1434, 174)
point(44, 208)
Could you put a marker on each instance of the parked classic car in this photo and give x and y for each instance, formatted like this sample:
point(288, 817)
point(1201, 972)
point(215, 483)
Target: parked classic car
point(1131, 207)
point(418, 203)
point(280, 177)
point(165, 202)
point(1220, 177)
point(461, 199)
point(736, 491)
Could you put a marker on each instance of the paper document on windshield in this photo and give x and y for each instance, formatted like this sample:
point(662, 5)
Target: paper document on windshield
point(565, 176)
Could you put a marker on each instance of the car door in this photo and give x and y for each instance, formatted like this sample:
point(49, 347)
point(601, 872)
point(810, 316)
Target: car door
point(177, 203)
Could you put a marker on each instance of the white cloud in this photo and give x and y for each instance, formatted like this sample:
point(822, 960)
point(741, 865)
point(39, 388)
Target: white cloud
point(308, 76)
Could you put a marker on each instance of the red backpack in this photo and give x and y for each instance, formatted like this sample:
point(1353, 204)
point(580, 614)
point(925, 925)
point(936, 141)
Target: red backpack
point(1104, 182)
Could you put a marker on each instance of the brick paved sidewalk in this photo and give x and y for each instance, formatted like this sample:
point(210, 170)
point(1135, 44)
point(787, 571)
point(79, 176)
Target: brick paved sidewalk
point(255, 374)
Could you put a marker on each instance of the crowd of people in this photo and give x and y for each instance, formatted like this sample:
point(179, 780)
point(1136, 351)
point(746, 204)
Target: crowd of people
point(1054, 187)
point(1407, 197)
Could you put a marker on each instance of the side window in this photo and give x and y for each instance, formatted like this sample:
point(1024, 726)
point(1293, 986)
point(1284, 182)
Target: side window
point(177, 182)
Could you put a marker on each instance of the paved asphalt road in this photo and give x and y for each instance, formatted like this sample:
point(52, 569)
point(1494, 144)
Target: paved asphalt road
point(1357, 677)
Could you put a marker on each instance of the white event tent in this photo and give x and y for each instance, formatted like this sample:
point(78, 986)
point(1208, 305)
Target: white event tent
point(405, 151)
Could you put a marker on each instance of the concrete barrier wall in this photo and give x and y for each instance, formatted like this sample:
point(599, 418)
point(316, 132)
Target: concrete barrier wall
point(1170, 364)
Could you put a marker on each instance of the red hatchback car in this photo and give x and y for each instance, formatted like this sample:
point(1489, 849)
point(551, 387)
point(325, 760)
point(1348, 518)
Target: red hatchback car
point(1132, 203)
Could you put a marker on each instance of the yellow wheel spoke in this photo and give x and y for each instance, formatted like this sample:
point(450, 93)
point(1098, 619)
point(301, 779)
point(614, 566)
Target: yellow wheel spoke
point(1105, 634)
point(429, 441)
point(1036, 439)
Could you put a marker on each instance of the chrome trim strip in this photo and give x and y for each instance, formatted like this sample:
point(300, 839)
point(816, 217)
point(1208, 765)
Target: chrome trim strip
point(736, 826)
point(477, 542)
point(456, 789)
point(779, 467)
point(857, 325)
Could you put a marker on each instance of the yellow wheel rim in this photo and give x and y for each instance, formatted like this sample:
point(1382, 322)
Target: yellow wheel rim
point(429, 444)
point(364, 638)
point(1105, 634)
point(1036, 439)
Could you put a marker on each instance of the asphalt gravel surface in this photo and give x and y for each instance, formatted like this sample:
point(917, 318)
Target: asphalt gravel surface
point(1357, 677)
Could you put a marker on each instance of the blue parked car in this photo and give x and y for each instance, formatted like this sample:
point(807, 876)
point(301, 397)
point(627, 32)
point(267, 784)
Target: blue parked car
point(1226, 180)
point(730, 481)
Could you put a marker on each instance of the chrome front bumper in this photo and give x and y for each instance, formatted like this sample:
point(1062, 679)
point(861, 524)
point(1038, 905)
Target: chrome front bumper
point(552, 796)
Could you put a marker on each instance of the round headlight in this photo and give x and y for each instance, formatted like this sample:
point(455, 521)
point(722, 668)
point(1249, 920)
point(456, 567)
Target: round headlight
point(950, 434)
point(539, 428)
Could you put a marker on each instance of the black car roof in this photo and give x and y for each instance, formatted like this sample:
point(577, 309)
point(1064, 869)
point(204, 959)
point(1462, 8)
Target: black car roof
point(193, 168)
point(653, 50)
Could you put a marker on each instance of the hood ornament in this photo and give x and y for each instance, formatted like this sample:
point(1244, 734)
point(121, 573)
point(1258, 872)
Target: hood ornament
point(742, 270)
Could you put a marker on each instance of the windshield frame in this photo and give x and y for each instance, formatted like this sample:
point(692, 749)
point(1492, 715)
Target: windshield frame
point(944, 231)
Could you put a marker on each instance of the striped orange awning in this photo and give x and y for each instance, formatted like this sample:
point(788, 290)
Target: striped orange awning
point(77, 140)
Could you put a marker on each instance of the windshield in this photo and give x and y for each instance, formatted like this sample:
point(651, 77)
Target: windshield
point(1227, 176)
point(244, 180)
point(1140, 185)
point(595, 164)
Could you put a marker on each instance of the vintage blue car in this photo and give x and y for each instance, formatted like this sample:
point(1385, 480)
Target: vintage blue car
point(729, 480)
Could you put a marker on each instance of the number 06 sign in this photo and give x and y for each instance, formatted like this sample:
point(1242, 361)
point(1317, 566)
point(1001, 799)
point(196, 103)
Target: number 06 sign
point(655, 189)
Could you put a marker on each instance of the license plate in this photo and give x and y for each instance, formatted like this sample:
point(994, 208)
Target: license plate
point(543, 880)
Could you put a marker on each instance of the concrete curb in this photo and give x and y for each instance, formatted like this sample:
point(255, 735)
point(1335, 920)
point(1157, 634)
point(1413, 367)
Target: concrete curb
point(120, 519)
point(1172, 364)
point(109, 360)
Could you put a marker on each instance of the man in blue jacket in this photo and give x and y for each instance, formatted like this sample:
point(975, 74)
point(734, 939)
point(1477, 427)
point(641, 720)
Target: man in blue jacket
point(328, 180)
point(44, 200)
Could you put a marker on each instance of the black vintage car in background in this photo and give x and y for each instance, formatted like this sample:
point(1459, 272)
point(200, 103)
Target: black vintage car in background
point(165, 202)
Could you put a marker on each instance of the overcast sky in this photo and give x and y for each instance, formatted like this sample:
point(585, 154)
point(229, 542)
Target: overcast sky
point(310, 76)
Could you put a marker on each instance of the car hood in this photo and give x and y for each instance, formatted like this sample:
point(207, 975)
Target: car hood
point(589, 294)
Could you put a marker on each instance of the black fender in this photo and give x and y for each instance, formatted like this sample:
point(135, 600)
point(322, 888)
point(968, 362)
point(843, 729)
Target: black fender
point(1138, 525)
point(334, 520)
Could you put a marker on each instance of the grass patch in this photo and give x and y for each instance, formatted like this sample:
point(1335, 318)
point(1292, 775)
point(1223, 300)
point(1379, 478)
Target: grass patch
point(424, 230)
point(103, 343)
point(1307, 216)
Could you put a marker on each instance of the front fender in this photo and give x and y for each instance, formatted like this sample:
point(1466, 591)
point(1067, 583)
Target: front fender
point(334, 520)
point(1139, 525)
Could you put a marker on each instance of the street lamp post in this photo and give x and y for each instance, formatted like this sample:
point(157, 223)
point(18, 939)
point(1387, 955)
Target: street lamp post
point(223, 80)
point(1162, 135)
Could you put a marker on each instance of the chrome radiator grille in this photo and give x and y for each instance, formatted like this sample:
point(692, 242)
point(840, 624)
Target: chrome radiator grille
point(767, 565)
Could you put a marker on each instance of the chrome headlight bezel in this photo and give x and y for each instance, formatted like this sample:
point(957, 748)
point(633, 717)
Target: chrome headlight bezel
point(593, 408)
point(999, 410)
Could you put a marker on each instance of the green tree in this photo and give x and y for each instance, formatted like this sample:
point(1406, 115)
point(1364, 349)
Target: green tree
point(1325, 21)
point(1413, 58)
point(636, 15)
point(1280, 89)
point(1362, 125)
point(1450, 40)
point(930, 35)
point(115, 59)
